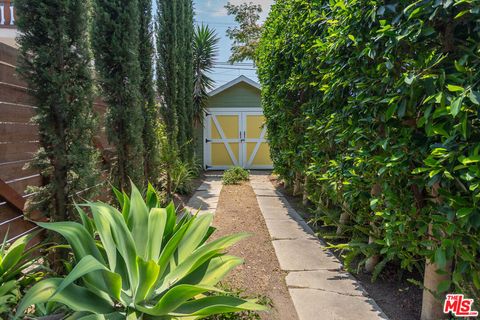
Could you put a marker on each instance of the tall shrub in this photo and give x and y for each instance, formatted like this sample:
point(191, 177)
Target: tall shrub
point(188, 40)
point(388, 94)
point(167, 66)
point(55, 62)
point(150, 111)
point(175, 72)
point(116, 43)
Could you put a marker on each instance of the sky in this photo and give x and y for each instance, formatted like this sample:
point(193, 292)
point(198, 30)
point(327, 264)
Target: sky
point(213, 13)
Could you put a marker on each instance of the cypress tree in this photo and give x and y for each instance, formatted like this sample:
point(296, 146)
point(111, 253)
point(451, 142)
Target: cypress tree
point(150, 112)
point(181, 69)
point(55, 62)
point(167, 66)
point(116, 46)
point(189, 78)
point(175, 72)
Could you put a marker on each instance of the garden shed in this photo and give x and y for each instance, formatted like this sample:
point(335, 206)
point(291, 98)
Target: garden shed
point(233, 131)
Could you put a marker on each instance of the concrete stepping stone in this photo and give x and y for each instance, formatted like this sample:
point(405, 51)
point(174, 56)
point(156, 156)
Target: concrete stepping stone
point(289, 229)
point(319, 287)
point(300, 254)
point(337, 281)
point(273, 202)
point(206, 197)
point(267, 193)
point(312, 304)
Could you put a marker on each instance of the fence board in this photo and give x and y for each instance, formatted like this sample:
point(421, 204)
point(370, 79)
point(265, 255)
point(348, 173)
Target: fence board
point(9, 214)
point(20, 184)
point(15, 113)
point(21, 227)
point(8, 74)
point(13, 170)
point(8, 54)
point(15, 94)
point(15, 132)
point(17, 147)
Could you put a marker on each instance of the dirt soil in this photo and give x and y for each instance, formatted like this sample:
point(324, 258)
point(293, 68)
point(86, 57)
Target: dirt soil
point(398, 298)
point(260, 275)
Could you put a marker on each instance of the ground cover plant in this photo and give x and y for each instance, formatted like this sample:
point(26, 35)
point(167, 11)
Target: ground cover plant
point(372, 108)
point(15, 259)
point(235, 175)
point(148, 263)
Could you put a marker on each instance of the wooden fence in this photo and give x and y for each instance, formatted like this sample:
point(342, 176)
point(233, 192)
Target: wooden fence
point(19, 142)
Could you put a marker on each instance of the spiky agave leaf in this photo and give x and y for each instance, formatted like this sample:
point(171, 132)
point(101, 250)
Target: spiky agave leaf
point(151, 264)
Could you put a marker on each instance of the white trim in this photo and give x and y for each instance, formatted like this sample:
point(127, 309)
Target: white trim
point(12, 16)
point(2, 14)
point(206, 134)
point(233, 83)
point(234, 110)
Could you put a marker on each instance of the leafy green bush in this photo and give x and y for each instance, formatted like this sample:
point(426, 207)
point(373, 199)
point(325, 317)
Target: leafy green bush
point(377, 104)
point(235, 175)
point(14, 260)
point(183, 175)
point(147, 263)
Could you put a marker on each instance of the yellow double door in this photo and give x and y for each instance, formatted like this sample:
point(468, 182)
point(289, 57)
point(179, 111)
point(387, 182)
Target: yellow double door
point(236, 139)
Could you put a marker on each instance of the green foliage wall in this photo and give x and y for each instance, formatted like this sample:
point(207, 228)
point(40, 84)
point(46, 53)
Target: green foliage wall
point(378, 104)
point(56, 64)
point(116, 41)
point(175, 72)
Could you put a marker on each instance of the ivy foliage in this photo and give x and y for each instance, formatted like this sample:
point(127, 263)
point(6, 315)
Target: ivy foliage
point(382, 102)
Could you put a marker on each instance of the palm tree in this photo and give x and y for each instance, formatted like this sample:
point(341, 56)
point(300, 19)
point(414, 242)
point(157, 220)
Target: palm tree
point(205, 48)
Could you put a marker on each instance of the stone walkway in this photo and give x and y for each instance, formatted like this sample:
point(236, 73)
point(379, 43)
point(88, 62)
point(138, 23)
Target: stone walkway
point(205, 199)
point(319, 287)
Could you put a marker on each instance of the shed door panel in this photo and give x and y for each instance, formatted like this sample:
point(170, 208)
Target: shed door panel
point(236, 139)
point(256, 148)
point(223, 147)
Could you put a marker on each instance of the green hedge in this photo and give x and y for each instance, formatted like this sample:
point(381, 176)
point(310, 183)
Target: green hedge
point(378, 105)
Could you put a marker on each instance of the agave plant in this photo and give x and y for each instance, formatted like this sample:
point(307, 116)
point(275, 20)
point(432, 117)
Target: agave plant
point(14, 259)
point(144, 262)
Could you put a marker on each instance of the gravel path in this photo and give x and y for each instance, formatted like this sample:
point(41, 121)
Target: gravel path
point(238, 211)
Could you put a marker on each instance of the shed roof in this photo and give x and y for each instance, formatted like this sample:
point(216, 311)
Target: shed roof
point(233, 83)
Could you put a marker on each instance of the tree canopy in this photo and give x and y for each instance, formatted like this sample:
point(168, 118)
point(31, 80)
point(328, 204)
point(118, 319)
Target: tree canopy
point(246, 36)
